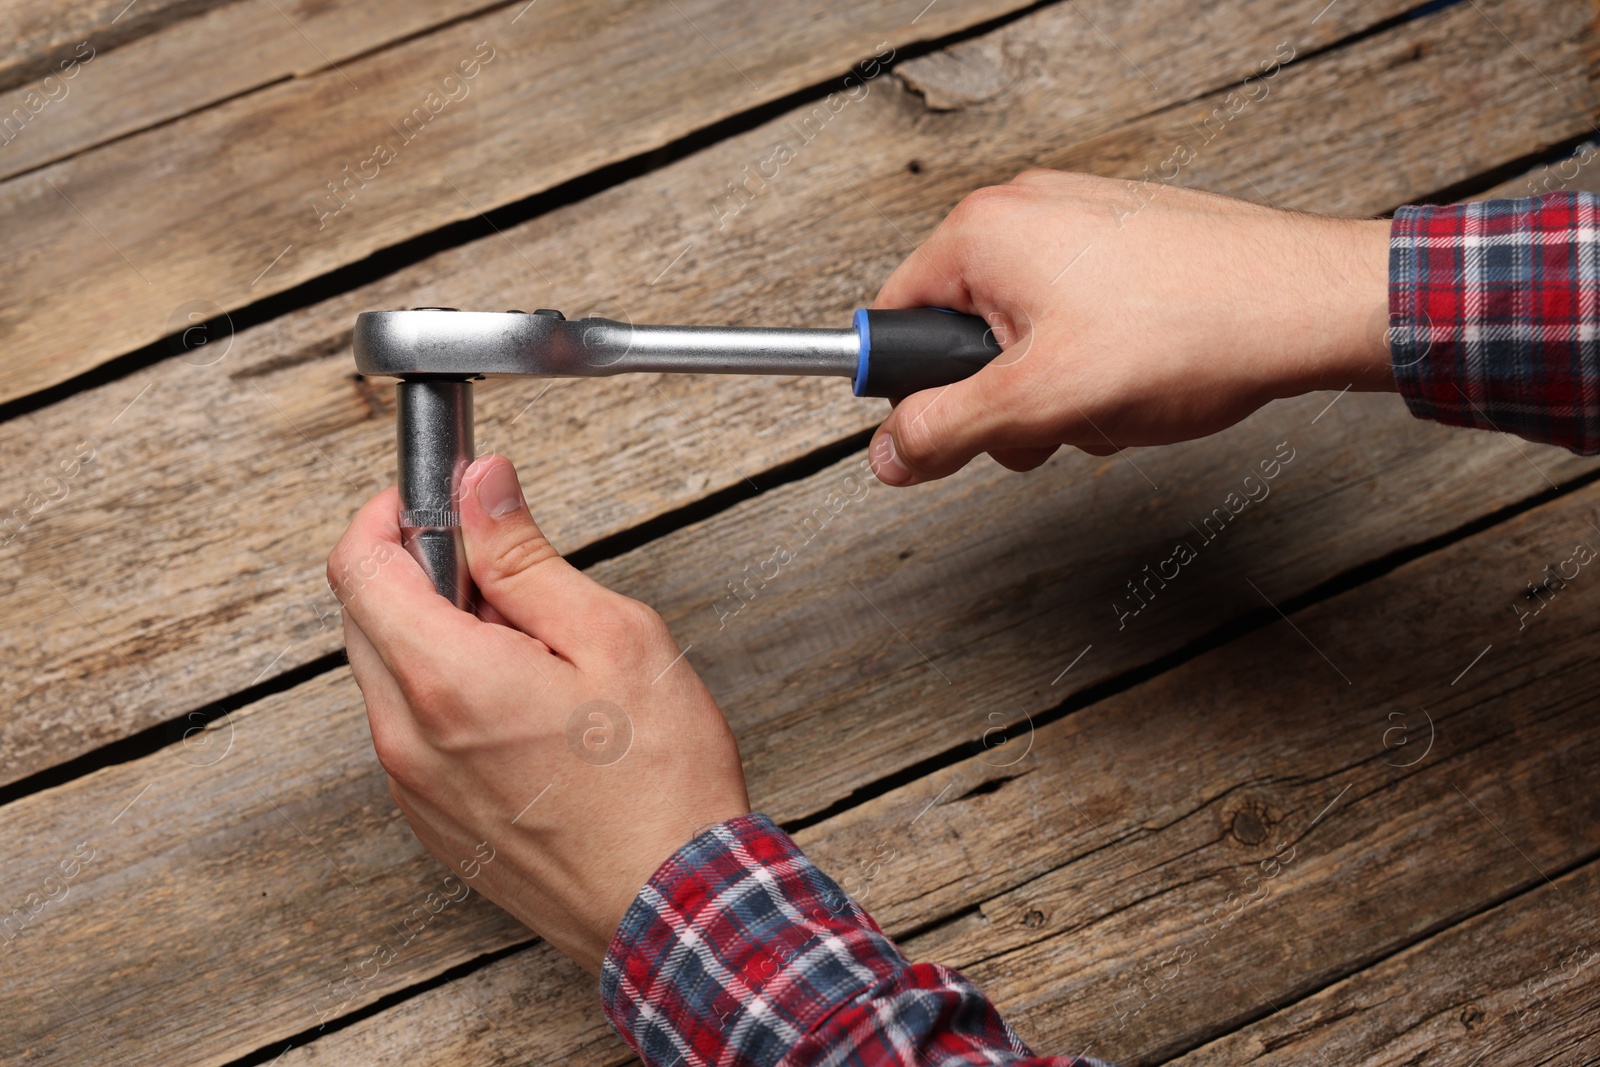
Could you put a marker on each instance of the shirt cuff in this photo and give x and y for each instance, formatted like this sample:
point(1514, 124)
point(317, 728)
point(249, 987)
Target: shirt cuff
point(1494, 318)
point(740, 941)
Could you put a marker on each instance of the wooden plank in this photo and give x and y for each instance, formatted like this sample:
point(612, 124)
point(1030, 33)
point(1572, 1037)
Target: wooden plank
point(131, 87)
point(309, 852)
point(1515, 985)
point(275, 426)
point(1171, 923)
point(246, 199)
point(1131, 845)
point(1577, 172)
point(42, 33)
point(916, 624)
point(341, 807)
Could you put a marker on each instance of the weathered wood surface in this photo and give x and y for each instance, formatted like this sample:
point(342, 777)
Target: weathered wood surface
point(303, 756)
point(178, 68)
point(916, 623)
point(307, 751)
point(300, 366)
point(1153, 869)
point(1578, 172)
point(1508, 980)
point(1406, 850)
point(40, 33)
point(229, 893)
point(1518, 984)
point(312, 739)
point(230, 204)
point(241, 589)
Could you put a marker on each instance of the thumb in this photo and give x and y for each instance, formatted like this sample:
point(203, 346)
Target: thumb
point(935, 433)
point(516, 569)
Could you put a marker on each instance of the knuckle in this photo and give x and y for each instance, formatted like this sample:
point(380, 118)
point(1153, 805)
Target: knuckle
point(428, 693)
point(620, 625)
point(644, 620)
point(917, 440)
point(338, 563)
point(520, 556)
point(397, 755)
point(1036, 176)
point(981, 205)
point(1066, 187)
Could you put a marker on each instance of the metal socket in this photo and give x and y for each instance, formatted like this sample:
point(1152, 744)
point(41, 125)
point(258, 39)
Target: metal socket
point(435, 447)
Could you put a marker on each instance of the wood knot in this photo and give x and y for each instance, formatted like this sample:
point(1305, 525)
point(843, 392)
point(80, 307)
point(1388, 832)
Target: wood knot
point(961, 76)
point(1471, 1016)
point(1411, 55)
point(1251, 824)
point(1033, 918)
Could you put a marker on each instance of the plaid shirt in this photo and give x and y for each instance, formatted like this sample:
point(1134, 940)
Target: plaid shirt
point(1494, 309)
point(741, 953)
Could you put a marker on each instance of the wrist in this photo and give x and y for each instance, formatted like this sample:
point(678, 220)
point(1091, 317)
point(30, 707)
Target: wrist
point(656, 858)
point(1339, 308)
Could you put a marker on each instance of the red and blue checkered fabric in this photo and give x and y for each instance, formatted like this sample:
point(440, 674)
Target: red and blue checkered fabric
point(1494, 313)
point(740, 952)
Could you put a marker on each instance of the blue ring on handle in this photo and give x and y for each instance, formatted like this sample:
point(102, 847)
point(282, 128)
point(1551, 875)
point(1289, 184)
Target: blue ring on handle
point(864, 332)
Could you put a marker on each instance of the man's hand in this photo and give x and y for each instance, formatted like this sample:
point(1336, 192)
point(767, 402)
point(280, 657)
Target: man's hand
point(1131, 314)
point(561, 727)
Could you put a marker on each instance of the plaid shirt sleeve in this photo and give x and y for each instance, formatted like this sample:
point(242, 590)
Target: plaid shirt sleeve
point(740, 952)
point(1494, 310)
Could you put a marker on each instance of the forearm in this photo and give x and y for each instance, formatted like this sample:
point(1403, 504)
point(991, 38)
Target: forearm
point(740, 951)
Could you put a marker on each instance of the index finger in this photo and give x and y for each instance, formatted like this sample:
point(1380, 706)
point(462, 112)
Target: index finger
point(389, 595)
point(929, 277)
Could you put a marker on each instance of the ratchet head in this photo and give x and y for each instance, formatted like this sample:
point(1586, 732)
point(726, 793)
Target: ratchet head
point(430, 342)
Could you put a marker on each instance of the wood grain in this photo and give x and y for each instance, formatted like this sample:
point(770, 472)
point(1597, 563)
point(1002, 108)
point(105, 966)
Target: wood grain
point(179, 68)
point(194, 851)
point(237, 202)
point(1114, 889)
point(1150, 941)
point(222, 477)
point(267, 848)
point(878, 646)
point(41, 33)
point(1578, 172)
point(1518, 984)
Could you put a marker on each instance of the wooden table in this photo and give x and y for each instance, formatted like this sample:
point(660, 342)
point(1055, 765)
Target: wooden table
point(1331, 796)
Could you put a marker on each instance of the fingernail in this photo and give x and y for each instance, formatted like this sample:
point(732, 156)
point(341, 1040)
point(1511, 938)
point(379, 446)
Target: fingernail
point(886, 465)
point(498, 491)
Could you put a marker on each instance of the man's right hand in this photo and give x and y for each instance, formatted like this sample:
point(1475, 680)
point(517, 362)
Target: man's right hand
point(1131, 314)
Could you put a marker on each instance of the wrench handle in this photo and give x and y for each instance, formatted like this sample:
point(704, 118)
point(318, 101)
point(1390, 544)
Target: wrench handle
point(912, 349)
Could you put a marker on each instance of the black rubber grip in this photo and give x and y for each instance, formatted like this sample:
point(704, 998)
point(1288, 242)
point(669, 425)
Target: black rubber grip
point(921, 348)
